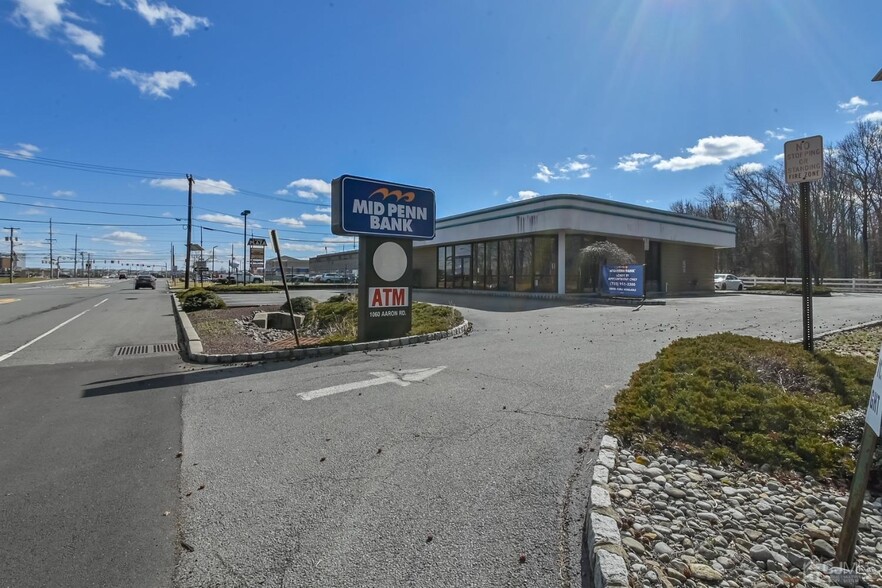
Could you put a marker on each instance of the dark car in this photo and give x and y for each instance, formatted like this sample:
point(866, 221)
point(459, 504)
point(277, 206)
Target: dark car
point(122, 276)
point(145, 281)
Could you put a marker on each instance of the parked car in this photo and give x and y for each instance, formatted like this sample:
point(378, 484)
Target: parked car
point(333, 278)
point(122, 276)
point(316, 278)
point(63, 275)
point(253, 279)
point(727, 282)
point(298, 278)
point(145, 281)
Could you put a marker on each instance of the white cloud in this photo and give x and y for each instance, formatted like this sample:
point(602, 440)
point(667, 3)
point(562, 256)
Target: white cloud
point(289, 222)
point(24, 151)
point(779, 157)
point(91, 42)
point(323, 209)
point(85, 61)
point(122, 237)
point(156, 84)
point(44, 18)
point(226, 219)
point(205, 186)
point(5, 173)
point(311, 188)
point(167, 214)
point(31, 212)
point(316, 218)
point(634, 161)
point(523, 195)
point(712, 151)
point(853, 104)
point(564, 170)
point(749, 168)
point(2, 197)
point(779, 134)
point(178, 21)
point(281, 192)
point(874, 117)
point(64, 193)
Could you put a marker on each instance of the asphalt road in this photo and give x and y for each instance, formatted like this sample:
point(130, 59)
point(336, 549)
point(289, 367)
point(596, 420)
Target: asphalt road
point(442, 482)
point(87, 467)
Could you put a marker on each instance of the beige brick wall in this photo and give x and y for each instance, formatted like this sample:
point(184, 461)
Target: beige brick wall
point(425, 262)
point(687, 268)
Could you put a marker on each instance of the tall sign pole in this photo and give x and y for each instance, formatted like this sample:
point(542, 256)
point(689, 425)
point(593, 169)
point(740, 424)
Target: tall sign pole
point(872, 428)
point(803, 164)
point(275, 239)
point(189, 230)
point(387, 218)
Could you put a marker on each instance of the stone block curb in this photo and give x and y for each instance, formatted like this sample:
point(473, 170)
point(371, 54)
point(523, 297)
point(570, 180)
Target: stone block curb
point(607, 568)
point(191, 344)
point(842, 330)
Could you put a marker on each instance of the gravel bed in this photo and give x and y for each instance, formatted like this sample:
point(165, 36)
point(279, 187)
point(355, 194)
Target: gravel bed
point(687, 524)
point(241, 336)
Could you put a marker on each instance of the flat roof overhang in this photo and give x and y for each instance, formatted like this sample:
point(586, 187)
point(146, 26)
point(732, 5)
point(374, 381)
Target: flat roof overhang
point(581, 214)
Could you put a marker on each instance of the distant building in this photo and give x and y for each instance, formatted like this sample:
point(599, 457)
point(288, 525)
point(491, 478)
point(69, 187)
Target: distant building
point(4, 263)
point(292, 265)
point(345, 263)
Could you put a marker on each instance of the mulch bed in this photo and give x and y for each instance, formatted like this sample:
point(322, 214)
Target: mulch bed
point(233, 342)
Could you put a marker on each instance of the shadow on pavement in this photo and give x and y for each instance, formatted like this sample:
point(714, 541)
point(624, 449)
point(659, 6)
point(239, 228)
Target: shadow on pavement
point(494, 303)
point(170, 379)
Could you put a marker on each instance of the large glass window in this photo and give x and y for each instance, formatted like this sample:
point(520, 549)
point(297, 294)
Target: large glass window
point(491, 253)
point(478, 266)
point(582, 274)
point(506, 264)
point(524, 264)
point(439, 269)
point(448, 266)
point(462, 272)
point(545, 264)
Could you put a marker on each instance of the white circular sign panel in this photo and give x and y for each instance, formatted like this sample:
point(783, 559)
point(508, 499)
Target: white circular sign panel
point(390, 261)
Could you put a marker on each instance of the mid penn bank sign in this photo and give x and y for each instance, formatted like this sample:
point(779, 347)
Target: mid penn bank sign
point(382, 209)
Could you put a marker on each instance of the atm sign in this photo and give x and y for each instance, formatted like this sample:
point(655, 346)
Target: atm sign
point(388, 297)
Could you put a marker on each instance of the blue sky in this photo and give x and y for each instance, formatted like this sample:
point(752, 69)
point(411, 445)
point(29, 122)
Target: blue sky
point(644, 102)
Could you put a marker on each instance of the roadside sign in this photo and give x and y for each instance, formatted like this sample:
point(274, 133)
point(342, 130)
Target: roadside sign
point(623, 280)
point(360, 206)
point(257, 242)
point(804, 160)
point(874, 408)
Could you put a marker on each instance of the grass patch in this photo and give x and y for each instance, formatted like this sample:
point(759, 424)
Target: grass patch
point(741, 399)
point(428, 318)
point(5, 280)
point(243, 288)
point(790, 289)
point(217, 327)
point(300, 305)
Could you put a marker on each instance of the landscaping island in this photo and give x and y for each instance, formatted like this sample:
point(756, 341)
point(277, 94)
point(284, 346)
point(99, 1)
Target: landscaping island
point(729, 463)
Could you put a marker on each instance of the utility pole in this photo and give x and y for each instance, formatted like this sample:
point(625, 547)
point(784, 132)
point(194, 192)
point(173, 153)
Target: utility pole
point(11, 238)
point(189, 228)
point(76, 244)
point(50, 240)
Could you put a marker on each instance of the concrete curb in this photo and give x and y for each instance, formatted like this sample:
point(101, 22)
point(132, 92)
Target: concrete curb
point(584, 299)
point(607, 562)
point(191, 344)
point(842, 330)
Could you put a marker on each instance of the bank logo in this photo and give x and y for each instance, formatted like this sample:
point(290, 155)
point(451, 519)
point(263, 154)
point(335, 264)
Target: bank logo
point(399, 196)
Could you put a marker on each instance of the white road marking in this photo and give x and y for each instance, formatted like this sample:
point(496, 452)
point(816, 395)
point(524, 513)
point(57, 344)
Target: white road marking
point(400, 377)
point(6, 356)
point(100, 303)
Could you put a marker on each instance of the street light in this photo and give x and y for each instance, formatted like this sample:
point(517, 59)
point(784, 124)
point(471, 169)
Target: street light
point(245, 214)
point(212, 260)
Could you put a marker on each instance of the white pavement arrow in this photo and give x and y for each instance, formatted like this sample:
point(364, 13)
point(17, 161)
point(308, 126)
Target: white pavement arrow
point(400, 377)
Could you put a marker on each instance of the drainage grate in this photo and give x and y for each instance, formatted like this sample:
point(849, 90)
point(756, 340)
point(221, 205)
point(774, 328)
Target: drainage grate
point(145, 349)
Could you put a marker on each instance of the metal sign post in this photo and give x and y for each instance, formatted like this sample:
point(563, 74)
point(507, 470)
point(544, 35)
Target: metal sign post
point(872, 428)
point(387, 218)
point(275, 239)
point(803, 164)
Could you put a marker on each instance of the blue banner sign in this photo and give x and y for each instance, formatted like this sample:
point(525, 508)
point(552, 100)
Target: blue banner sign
point(623, 280)
point(360, 206)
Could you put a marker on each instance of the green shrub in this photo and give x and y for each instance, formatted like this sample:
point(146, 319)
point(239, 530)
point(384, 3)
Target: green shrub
point(428, 318)
point(730, 397)
point(200, 299)
point(300, 305)
point(342, 297)
point(327, 314)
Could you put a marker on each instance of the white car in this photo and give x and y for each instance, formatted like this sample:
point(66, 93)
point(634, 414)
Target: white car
point(727, 282)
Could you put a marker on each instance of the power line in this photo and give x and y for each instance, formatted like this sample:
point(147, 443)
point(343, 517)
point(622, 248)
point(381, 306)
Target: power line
point(108, 225)
point(87, 167)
